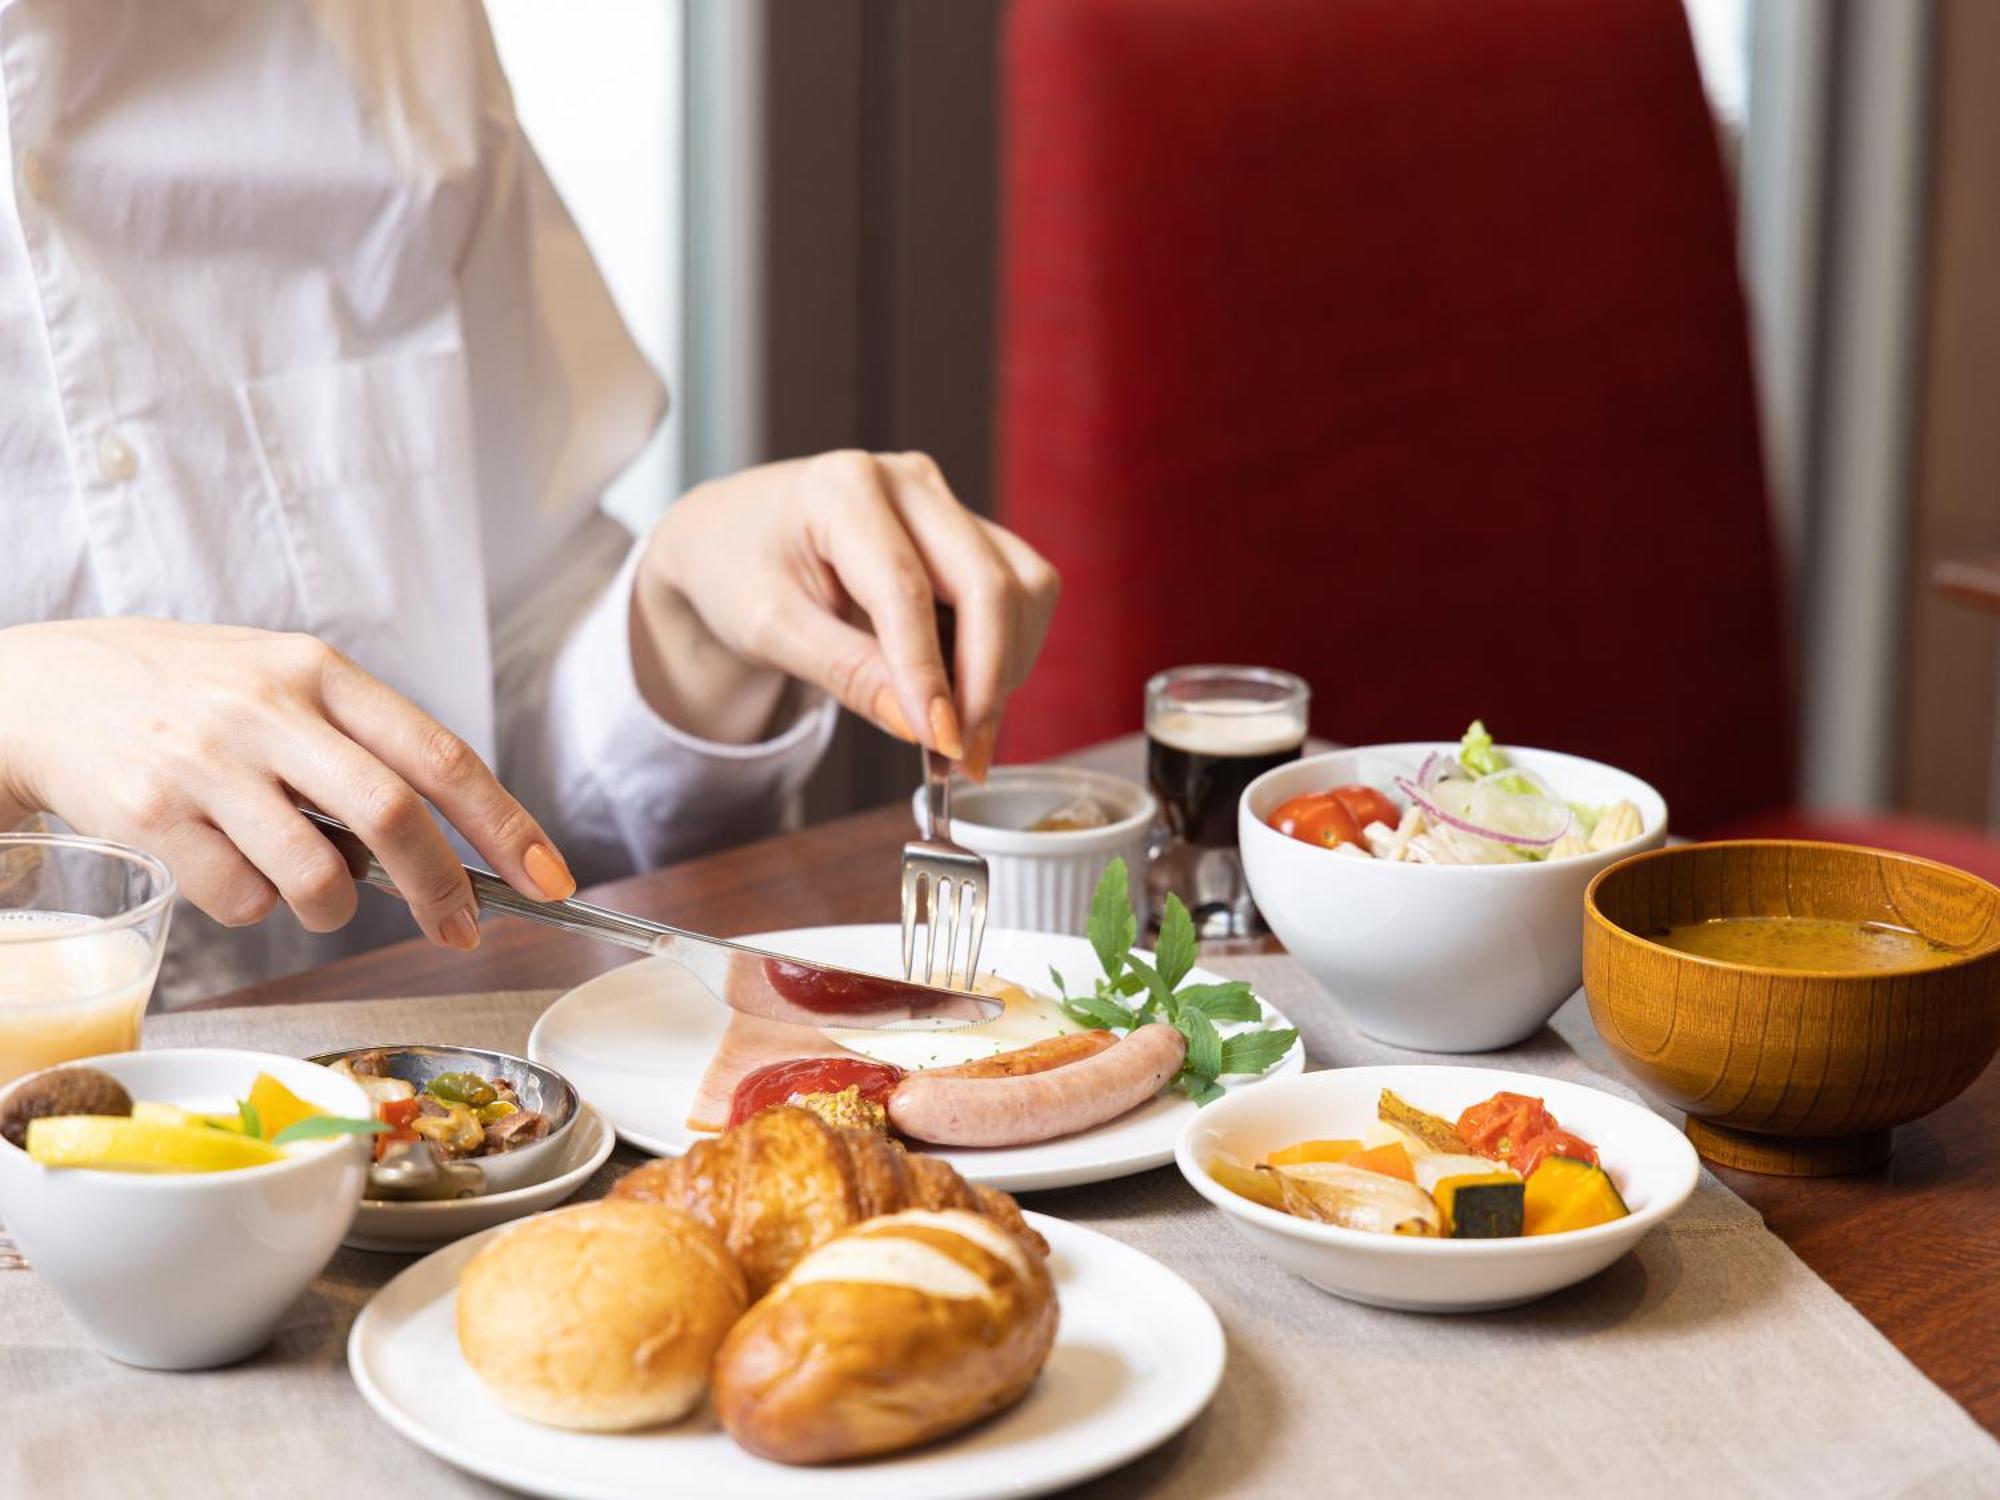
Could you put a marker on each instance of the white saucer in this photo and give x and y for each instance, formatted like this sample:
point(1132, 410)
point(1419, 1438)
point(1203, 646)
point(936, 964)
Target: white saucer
point(410, 1228)
point(1138, 1355)
point(636, 1041)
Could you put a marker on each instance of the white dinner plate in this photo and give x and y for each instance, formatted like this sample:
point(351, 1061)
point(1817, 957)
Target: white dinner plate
point(410, 1228)
point(635, 1042)
point(1137, 1356)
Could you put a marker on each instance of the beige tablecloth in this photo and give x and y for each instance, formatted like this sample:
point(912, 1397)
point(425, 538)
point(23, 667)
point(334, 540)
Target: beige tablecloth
point(1710, 1362)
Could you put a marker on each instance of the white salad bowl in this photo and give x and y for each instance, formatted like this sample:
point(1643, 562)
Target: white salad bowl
point(1650, 1162)
point(186, 1270)
point(1440, 958)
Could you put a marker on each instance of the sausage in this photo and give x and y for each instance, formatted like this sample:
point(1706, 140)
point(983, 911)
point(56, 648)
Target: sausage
point(1020, 1109)
point(1036, 1057)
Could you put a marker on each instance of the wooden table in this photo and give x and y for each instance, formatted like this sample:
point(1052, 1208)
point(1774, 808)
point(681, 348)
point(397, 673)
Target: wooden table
point(1914, 1245)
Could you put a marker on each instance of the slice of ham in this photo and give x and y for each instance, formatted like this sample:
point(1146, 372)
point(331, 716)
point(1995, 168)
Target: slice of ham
point(750, 1043)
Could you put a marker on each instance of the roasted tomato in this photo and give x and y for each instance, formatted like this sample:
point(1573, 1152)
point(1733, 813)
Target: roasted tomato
point(1500, 1126)
point(1529, 1154)
point(1368, 805)
point(765, 1087)
point(398, 1115)
point(1317, 818)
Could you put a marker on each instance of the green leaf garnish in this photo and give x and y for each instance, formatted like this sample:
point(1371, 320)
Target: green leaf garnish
point(1174, 954)
point(1056, 978)
point(253, 1124)
point(1112, 928)
point(1193, 1009)
point(1254, 1051)
point(1220, 1002)
point(318, 1127)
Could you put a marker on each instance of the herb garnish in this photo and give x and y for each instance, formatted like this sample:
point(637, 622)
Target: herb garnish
point(1192, 1009)
point(316, 1127)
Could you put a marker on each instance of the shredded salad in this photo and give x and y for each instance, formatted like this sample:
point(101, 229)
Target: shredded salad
point(1472, 808)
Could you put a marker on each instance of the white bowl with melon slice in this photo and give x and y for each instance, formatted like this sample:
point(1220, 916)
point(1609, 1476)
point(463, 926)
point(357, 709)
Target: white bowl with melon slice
point(188, 1252)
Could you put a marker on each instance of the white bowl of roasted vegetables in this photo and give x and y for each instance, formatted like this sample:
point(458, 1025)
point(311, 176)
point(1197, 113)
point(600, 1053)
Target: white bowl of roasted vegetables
point(1435, 890)
point(462, 1121)
point(1437, 1189)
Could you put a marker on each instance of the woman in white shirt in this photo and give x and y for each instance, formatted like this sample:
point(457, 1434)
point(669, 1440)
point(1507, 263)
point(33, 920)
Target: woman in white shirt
point(308, 390)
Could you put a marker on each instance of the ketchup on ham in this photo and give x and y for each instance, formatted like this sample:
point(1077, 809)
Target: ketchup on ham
point(810, 988)
point(776, 1083)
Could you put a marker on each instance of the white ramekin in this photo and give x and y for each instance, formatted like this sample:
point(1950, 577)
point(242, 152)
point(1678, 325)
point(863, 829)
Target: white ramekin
point(1043, 882)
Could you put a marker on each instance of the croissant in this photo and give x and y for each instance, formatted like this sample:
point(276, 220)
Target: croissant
point(785, 1181)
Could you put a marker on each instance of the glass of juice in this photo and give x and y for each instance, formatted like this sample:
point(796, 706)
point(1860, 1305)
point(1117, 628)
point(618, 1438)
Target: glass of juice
point(1210, 732)
point(83, 923)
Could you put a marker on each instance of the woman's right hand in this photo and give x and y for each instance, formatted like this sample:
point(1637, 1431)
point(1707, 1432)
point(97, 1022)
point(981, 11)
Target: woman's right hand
point(198, 742)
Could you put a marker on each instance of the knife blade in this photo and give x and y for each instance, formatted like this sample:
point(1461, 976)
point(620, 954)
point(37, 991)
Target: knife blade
point(759, 983)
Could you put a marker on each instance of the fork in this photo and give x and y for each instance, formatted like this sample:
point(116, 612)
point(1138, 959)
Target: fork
point(950, 874)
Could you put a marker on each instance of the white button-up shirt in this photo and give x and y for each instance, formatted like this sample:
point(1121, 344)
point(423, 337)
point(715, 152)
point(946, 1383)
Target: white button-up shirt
point(295, 333)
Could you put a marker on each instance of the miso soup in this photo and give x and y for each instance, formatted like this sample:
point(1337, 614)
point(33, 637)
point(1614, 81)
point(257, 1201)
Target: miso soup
point(1820, 943)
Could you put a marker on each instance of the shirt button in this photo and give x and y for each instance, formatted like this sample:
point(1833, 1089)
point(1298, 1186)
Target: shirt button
point(115, 458)
point(35, 174)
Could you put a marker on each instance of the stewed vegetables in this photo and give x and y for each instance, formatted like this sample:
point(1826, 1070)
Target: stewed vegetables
point(457, 1114)
point(1504, 1169)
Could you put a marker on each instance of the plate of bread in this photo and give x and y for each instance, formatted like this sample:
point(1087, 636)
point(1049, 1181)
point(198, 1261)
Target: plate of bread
point(1037, 1098)
point(800, 1309)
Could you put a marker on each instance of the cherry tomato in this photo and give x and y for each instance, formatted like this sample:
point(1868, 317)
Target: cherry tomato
point(397, 1115)
point(764, 1087)
point(1317, 818)
point(1529, 1155)
point(1368, 805)
point(1500, 1126)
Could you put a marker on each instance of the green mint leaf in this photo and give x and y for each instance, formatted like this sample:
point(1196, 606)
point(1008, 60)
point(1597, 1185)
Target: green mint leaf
point(1159, 998)
point(1129, 983)
point(1201, 1090)
point(1057, 979)
point(1204, 1043)
point(317, 1127)
point(253, 1124)
point(1174, 954)
point(1255, 1051)
point(1098, 1010)
point(1221, 1002)
point(1112, 928)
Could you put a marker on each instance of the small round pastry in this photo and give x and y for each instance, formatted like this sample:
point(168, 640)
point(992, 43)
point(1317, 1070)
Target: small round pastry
point(601, 1317)
point(906, 1327)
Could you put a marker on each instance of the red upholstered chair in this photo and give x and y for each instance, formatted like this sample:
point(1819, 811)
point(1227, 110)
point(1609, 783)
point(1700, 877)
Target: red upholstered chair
point(1399, 344)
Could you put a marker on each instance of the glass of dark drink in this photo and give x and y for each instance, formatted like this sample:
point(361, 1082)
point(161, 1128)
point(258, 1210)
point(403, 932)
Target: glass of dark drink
point(1210, 732)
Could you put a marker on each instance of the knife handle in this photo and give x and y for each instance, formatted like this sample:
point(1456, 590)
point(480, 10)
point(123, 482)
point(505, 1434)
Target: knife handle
point(494, 894)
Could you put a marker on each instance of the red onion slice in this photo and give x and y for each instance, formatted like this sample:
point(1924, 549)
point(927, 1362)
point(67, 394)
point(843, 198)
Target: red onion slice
point(1423, 799)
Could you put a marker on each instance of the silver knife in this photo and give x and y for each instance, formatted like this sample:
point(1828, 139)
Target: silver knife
point(741, 977)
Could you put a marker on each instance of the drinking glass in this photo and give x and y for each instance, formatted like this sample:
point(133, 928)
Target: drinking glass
point(83, 924)
point(1210, 732)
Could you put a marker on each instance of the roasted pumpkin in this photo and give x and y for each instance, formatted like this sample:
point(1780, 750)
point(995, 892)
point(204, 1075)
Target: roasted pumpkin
point(1304, 1151)
point(1392, 1160)
point(1481, 1205)
point(1565, 1194)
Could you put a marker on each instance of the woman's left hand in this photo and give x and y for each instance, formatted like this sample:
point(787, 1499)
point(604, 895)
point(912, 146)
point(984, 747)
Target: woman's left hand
point(829, 569)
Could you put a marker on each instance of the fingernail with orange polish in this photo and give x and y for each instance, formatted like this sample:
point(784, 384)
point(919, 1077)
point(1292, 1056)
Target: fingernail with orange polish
point(944, 730)
point(461, 930)
point(550, 875)
point(889, 714)
point(979, 759)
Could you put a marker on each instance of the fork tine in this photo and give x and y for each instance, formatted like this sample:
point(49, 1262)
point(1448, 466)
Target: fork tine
point(955, 889)
point(936, 883)
point(977, 923)
point(911, 896)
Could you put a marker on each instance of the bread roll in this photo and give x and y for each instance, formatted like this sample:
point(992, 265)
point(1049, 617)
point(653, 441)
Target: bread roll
point(600, 1317)
point(900, 1330)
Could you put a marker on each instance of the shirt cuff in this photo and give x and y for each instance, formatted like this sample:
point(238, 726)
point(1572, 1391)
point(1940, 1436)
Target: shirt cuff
point(670, 793)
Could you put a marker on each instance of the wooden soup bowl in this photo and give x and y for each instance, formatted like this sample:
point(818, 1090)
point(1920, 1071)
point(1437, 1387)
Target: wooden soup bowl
point(1793, 1072)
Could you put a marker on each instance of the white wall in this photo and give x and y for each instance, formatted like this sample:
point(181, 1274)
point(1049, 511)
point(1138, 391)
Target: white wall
point(599, 89)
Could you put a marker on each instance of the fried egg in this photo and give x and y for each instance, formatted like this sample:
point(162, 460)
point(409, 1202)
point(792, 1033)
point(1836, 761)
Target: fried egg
point(1028, 1017)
